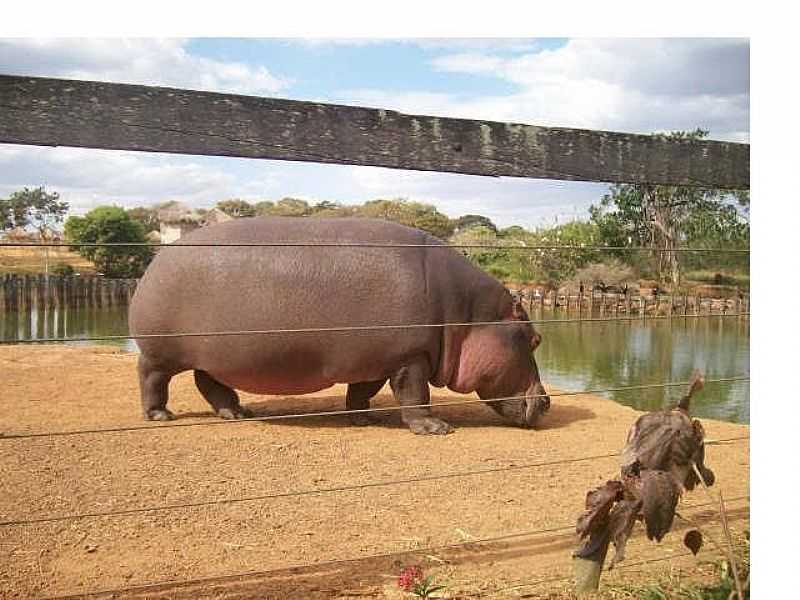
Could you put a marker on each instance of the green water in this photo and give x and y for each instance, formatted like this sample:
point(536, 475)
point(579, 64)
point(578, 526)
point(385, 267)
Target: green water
point(601, 355)
point(573, 356)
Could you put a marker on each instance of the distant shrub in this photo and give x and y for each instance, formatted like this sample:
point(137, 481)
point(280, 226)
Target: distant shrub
point(63, 270)
point(612, 272)
point(498, 271)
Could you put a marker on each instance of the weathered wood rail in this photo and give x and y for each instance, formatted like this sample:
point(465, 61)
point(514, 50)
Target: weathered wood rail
point(57, 112)
point(24, 293)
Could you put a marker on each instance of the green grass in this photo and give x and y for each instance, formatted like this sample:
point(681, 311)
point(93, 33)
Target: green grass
point(741, 280)
point(673, 587)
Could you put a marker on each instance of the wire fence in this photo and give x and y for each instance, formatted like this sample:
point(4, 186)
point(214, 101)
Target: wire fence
point(121, 513)
point(349, 329)
point(426, 550)
point(635, 159)
point(317, 491)
point(350, 412)
point(555, 248)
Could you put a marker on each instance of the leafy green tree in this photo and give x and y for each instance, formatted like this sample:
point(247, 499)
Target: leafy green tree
point(663, 217)
point(237, 208)
point(263, 208)
point(35, 208)
point(147, 216)
point(110, 224)
point(467, 221)
point(414, 214)
point(291, 207)
point(324, 206)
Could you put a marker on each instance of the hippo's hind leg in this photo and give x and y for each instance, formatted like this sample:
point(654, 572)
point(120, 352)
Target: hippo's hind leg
point(358, 397)
point(410, 387)
point(154, 388)
point(222, 399)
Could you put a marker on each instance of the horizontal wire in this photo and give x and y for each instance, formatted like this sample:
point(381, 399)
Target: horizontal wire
point(281, 495)
point(363, 245)
point(328, 563)
point(334, 413)
point(354, 328)
point(335, 489)
point(558, 578)
point(621, 566)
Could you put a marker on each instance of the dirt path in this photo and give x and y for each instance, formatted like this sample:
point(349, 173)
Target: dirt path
point(59, 389)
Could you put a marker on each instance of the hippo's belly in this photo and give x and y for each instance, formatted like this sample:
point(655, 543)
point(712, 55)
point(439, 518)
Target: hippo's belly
point(254, 383)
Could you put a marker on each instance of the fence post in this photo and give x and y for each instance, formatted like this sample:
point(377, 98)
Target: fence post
point(588, 570)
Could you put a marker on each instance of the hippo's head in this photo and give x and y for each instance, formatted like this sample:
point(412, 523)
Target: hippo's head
point(501, 361)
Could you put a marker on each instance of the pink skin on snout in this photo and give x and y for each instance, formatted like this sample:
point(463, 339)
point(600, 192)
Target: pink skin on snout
point(498, 362)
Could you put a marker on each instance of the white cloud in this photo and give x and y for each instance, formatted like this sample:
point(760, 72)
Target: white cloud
point(636, 85)
point(426, 43)
point(87, 178)
point(627, 85)
point(148, 61)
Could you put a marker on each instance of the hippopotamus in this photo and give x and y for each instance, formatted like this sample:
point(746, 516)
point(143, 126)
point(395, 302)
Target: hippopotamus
point(198, 285)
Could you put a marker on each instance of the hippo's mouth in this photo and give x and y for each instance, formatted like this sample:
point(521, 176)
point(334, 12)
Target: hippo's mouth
point(524, 413)
point(534, 407)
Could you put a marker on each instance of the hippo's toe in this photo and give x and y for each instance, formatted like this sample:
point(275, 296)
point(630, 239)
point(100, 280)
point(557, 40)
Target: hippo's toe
point(234, 413)
point(159, 414)
point(362, 420)
point(429, 426)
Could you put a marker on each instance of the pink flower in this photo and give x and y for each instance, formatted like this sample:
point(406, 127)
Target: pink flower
point(409, 577)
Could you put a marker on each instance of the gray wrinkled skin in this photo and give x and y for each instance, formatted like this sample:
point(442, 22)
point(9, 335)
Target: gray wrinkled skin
point(202, 289)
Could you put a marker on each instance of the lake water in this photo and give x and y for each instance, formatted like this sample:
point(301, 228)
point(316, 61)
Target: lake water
point(573, 356)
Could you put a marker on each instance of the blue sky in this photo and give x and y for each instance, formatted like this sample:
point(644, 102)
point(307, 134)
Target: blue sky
point(635, 85)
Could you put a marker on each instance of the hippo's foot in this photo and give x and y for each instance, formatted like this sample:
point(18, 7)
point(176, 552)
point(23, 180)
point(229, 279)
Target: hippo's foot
point(429, 426)
point(159, 414)
point(362, 420)
point(235, 413)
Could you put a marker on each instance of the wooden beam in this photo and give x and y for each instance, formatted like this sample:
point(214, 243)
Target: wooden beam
point(56, 112)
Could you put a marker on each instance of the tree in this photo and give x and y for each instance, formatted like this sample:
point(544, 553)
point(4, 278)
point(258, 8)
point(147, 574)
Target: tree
point(467, 221)
point(264, 208)
point(237, 208)
point(35, 208)
point(662, 217)
point(291, 207)
point(110, 224)
point(147, 216)
point(414, 214)
point(326, 206)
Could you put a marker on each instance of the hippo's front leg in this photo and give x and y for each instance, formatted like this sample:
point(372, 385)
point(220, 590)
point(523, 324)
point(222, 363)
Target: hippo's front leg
point(410, 387)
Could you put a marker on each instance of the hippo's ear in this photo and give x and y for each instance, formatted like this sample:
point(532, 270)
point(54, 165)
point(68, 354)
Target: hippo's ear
point(517, 311)
point(536, 340)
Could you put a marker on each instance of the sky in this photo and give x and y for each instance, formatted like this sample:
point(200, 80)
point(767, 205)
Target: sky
point(620, 84)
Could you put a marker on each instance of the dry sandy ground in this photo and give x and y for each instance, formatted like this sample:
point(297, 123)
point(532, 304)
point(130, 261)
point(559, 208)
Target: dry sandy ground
point(57, 389)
